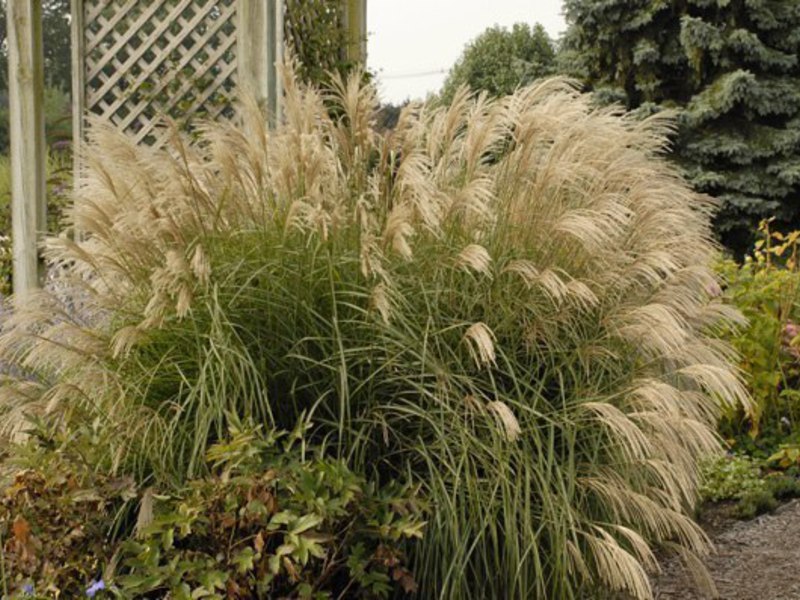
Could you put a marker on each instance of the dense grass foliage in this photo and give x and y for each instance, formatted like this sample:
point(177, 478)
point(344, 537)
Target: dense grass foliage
point(504, 301)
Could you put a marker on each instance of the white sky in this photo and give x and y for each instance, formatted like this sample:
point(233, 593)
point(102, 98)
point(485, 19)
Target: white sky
point(413, 43)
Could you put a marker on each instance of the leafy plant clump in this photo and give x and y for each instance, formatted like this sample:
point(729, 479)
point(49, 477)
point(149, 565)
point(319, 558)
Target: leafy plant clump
point(272, 519)
point(766, 289)
point(271, 522)
point(506, 302)
point(748, 483)
point(731, 477)
point(55, 521)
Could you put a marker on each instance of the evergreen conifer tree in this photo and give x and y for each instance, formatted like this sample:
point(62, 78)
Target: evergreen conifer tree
point(731, 68)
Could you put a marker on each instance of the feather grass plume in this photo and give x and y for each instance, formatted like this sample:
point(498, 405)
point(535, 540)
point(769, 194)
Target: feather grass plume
point(531, 254)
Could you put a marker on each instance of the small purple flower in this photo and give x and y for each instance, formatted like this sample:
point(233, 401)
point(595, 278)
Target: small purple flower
point(27, 589)
point(62, 145)
point(95, 587)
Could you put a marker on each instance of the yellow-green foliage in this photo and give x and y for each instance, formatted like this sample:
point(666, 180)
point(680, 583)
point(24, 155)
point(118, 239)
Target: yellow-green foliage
point(766, 289)
point(505, 301)
point(731, 477)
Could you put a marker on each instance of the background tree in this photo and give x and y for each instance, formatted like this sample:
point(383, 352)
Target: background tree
point(731, 68)
point(56, 35)
point(499, 60)
point(315, 33)
point(57, 71)
point(389, 114)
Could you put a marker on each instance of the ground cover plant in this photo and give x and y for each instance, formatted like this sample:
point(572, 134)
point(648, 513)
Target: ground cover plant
point(747, 486)
point(272, 519)
point(508, 303)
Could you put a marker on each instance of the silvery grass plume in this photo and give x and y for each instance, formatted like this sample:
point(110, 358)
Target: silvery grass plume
point(503, 300)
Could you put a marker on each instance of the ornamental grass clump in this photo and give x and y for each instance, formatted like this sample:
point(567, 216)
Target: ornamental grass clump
point(505, 301)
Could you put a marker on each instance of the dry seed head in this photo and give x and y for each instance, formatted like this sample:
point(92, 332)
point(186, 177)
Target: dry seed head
point(506, 418)
point(399, 230)
point(480, 343)
point(124, 340)
point(526, 269)
point(381, 301)
point(145, 517)
point(200, 265)
point(635, 443)
point(618, 569)
point(476, 258)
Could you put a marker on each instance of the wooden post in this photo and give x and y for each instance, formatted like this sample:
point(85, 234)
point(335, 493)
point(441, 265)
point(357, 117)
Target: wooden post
point(251, 48)
point(28, 155)
point(259, 50)
point(355, 16)
point(78, 84)
point(275, 59)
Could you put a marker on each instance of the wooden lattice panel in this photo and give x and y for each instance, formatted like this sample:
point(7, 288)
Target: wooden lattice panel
point(144, 61)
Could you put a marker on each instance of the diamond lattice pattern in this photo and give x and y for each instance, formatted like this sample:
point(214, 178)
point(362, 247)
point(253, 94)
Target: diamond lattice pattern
point(145, 61)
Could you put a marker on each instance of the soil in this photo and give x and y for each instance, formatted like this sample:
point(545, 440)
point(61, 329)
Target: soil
point(754, 560)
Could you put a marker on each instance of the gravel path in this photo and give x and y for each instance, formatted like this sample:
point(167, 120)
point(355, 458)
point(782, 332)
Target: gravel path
point(754, 560)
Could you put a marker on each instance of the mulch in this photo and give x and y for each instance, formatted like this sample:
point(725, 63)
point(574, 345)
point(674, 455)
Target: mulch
point(753, 560)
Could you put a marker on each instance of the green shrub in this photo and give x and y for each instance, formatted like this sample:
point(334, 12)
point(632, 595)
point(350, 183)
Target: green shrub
point(783, 487)
point(766, 289)
point(741, 478)
point(500, 60)
point(505, 302)
point(755, 503)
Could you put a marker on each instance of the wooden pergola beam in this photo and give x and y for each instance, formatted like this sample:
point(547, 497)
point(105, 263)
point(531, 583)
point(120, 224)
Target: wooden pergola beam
point(28, 153)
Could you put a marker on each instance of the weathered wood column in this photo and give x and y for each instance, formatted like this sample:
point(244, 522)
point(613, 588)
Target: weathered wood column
point(259, 50)
point(275, 47)
point(28, 154)
point(355, 15)
point(78, 84)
